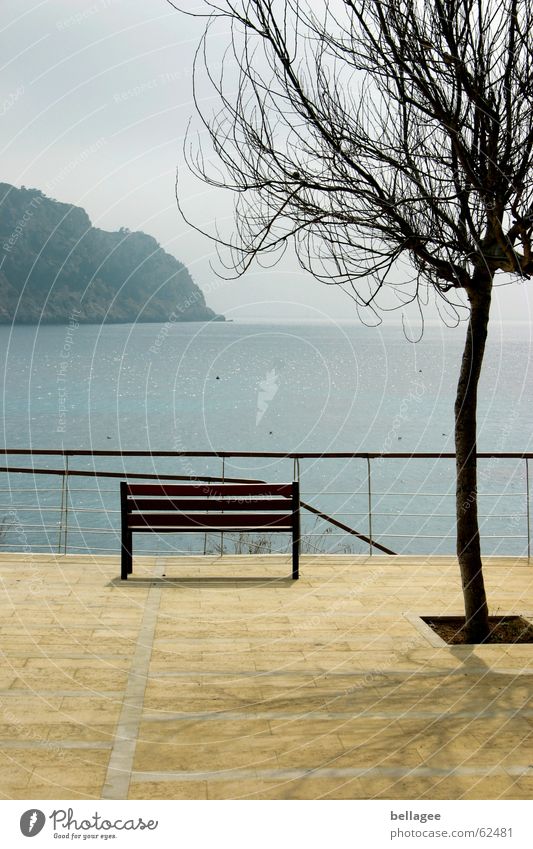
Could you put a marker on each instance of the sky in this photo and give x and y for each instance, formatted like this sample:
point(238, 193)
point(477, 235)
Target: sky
point(95, 98)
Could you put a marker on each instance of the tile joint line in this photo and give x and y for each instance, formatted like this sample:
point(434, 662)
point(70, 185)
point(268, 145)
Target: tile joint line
point(120, 768)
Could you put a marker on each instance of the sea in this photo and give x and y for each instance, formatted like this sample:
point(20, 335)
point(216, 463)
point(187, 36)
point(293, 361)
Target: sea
point(305, 387)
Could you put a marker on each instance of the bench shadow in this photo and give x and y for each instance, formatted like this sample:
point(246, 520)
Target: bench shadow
point(220, 581)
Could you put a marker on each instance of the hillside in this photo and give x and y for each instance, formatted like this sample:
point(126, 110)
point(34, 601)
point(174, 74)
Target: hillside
point(54, 263)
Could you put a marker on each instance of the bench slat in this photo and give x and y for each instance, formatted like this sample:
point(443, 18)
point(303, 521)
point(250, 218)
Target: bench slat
point(204, 489)
point(217, 529)
point(190, 505)
point(209, 520)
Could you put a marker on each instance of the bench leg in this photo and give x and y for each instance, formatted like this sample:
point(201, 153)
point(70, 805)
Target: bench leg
point(126, 560)
point(295, 530)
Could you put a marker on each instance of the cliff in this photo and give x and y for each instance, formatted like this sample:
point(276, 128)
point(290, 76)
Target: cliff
point(54, 262)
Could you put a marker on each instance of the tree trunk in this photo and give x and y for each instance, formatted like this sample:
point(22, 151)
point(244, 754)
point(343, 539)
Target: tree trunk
point(468, 545)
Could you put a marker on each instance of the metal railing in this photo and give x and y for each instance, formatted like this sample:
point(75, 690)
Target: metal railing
point(360, 504)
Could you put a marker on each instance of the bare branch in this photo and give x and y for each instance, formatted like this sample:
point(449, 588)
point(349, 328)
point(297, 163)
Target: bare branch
point(370, 131)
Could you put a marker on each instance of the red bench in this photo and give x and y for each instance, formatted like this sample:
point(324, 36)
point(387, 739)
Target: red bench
point(200, 507)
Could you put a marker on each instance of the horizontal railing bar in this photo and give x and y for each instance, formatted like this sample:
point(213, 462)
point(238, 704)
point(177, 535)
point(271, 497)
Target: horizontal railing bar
point(122, 475)
point(289, 455)
point(448, 537)
point(451, 494)
point(357, 492)
point(326, 536)
point(29, 526)
point(152, 476)
point(9, 529)
point(77, 529)
point(34, 529)
point(210, 532)
point(97, 490)
point(348, 492)
point(103, 531)
point(24, 509)
point(33, 489)
point(76, 509)
point(306, 493)
point(402, 515)
point(151, 552)
point(106, 548)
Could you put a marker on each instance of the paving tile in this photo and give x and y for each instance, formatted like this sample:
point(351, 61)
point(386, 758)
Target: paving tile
point(435, 787)
point(12, 772)
point(168, 790)
point(80, 732)
point(250, 753)
point(284, 789)
point(183, 732)
point(52, 756)
point(52, 791)
point(59, 777)
point(16, 731)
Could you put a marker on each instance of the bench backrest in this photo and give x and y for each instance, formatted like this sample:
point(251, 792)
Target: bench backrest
point(198, 506)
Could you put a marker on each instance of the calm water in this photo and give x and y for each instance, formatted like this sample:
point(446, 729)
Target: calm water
point(261, 387)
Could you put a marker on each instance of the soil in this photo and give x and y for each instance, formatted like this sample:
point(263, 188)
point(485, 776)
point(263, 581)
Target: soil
point(503, 629)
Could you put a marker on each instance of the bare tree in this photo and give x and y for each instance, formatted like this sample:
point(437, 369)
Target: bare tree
point(381, 136)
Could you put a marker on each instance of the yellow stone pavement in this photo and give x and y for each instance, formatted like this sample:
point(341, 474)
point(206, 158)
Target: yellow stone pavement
point(209, 678)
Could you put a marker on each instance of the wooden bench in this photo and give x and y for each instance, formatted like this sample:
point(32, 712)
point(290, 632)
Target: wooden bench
point(201, 507)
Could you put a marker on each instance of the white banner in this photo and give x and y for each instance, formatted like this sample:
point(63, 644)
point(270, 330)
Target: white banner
point(268, 824)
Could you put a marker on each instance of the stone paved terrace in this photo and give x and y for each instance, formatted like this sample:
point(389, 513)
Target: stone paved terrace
point(201, 678)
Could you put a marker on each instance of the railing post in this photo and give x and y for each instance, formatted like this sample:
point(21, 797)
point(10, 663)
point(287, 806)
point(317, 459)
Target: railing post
point(63, 514)
point(222, 532)
point(66, 505)
point(369, 489)
point(62, 507)
point(528, 512)
point(296, 478)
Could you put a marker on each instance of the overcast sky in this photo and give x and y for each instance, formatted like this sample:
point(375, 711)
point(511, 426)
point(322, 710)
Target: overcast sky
point(95, 96)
